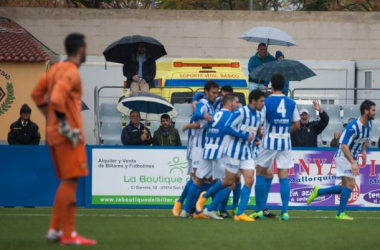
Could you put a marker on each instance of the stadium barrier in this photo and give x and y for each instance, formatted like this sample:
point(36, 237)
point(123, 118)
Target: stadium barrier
point(152, 177)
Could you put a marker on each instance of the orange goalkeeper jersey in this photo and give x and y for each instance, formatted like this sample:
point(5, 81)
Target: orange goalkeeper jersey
point(61, 88)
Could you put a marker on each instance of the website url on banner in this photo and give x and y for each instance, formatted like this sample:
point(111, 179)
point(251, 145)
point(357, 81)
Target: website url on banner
point(133, 200)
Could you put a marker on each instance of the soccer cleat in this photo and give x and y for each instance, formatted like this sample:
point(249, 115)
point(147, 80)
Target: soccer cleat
point(184, 214)
point(200, 216)
point(53, 236)
point(268, 214)
point(234, 212)
point(201, 202)
point(313, 195)
point(211, 214)
point(225, 215)
point(76, 239)
point(257, 215)
point(343, 216)
point(176, 208)
point(243, 217)
point(284, 216)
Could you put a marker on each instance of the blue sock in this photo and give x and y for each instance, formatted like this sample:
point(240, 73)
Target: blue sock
point(236, 192)
point(285, 194)
point(245, 192)
point(260, 188)
point(214, 189)
point(337, 189)
point(185, 190)
point(192, 196)
point(344, 196)
point(268, 183)
point(223, 204)
point(219, 198)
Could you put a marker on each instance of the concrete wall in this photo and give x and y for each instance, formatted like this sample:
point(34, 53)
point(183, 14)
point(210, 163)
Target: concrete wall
point(210, 34)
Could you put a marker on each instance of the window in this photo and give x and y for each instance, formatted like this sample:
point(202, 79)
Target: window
point(368, 79)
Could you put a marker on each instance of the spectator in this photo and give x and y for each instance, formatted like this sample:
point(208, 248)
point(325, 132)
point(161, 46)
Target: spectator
point(140, 70)
point(166, 135)
point(307, 135)
point(261, 56)
point(135, 133)
point(281, 56)
point(335, 141)
point(24, 131)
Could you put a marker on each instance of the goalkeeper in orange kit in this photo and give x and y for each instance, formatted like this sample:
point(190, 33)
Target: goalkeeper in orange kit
point(58, 95)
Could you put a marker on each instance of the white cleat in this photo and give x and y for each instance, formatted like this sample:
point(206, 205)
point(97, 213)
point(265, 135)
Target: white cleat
point(212, 214)
point(53, 236)
point(184, 214)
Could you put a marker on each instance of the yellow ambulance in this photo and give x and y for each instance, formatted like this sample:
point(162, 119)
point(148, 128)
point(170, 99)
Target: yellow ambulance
point(179, 80)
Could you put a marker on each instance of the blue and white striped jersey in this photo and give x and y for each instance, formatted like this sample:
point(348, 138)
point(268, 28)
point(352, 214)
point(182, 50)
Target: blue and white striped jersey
point(243, 122)
point(354, 136)
point(203, 106)
point(279, 112)
point(190, 136)
point(256, 148)
point(215, 136)
point(218, 104)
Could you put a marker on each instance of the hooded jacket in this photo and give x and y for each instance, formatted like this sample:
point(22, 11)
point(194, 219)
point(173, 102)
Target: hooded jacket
point(24, 135)
point(254, 62)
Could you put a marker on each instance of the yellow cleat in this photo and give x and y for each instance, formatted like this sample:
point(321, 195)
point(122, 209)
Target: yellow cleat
point(200, 216)
point(243, 217)
point(176, 208)
point(201, 202)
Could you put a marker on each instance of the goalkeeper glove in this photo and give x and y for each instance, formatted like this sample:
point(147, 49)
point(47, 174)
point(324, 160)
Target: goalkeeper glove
point(72, 134)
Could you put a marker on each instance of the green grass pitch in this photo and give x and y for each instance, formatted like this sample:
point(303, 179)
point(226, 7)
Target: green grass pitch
point(24, 228)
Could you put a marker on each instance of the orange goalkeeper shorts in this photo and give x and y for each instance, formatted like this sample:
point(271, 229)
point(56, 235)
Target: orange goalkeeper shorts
point(69, 162)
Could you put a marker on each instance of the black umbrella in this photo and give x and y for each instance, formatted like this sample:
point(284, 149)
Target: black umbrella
point(118, 51)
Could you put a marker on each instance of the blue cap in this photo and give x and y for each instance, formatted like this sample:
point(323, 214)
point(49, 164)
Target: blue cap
point(278, 54)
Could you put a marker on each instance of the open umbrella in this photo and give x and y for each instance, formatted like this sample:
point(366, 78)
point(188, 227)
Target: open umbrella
point(292, 70)
point(150, 106)
point(121, 49)
point(269, 36)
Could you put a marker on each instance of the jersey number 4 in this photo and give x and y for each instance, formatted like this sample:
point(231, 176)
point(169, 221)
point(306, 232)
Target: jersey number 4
point(281, 108)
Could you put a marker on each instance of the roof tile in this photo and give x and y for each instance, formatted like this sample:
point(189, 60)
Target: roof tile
point(17, 45)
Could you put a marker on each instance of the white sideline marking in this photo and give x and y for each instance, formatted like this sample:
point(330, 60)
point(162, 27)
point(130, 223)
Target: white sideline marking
point(168, 216)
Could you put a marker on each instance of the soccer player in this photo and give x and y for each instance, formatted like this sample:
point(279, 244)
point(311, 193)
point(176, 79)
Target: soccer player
point(178, 202)
point(202, 179)
point(354, 138)
point(62, 85)
point(242, 127)
point(216, 140)
point(226, 89)
point(281, 116)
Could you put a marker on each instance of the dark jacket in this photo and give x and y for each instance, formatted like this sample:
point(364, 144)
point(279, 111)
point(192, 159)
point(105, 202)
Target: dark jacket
point(131, 68)
point(131, 135)
point(308, 134)
point(171, 139)
point(20, 135)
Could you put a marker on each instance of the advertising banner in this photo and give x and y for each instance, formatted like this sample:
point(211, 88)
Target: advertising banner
point(124, 176)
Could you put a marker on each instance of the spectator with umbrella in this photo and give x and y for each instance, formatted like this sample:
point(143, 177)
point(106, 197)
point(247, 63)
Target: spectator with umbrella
point(135, 133)
point(139, 55)
point(265, 36)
